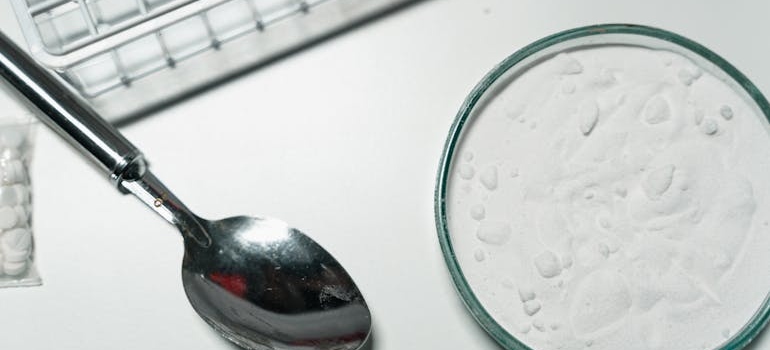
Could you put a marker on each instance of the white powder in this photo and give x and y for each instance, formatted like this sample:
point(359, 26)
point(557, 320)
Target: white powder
point(635, 213)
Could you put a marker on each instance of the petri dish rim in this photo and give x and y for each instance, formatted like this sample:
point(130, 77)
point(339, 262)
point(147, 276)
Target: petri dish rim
point(740, 339)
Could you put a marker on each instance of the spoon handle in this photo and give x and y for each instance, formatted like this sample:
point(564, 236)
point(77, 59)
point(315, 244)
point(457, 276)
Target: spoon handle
point(69, 116)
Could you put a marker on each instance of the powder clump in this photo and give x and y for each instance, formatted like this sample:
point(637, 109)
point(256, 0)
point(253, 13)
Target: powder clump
point(526, 293)
point(467, 171)
point(531, 307)
point(726, 112)
point(478, 212)
point(588, 116)
point(709, 127)
point(495, 233)
point(547, 264)
point(488, 178)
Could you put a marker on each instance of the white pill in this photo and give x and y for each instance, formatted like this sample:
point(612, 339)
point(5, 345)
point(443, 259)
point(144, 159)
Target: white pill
point(16, 255)
point(23, 215)
point(13, 137)
point(13, 171)
point(21, 171)
point(10, 153)
point(8, 217)
point(22, 193)
point(14, 268)
point(17, 239)
point(8, 196)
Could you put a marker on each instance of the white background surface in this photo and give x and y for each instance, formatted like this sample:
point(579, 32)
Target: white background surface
point(342, 141)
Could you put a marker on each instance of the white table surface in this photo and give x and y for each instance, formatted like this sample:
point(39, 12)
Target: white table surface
point(342, 141)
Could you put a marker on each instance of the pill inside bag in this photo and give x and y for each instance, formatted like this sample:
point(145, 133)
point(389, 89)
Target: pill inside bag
point(17, 255)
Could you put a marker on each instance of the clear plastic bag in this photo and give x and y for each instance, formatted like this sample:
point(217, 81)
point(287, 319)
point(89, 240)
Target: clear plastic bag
point(17, 258)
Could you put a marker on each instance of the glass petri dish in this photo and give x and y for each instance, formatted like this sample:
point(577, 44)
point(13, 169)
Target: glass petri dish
point(508, 71)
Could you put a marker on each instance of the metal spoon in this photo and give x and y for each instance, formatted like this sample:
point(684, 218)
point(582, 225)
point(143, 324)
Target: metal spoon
point(258, 282)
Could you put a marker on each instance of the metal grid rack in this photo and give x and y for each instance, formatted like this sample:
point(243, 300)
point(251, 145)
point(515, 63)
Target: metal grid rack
point(127, 56)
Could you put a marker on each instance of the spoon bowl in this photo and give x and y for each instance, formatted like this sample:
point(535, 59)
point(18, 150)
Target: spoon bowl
point(264, 285)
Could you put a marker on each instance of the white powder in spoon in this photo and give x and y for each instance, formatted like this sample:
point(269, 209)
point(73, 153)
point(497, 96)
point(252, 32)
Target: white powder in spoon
point(615, 197)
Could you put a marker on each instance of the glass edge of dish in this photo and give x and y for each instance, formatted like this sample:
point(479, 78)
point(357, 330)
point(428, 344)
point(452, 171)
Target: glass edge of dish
point(738, 341)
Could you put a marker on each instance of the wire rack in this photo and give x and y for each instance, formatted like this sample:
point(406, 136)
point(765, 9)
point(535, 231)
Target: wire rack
point(129, 56)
